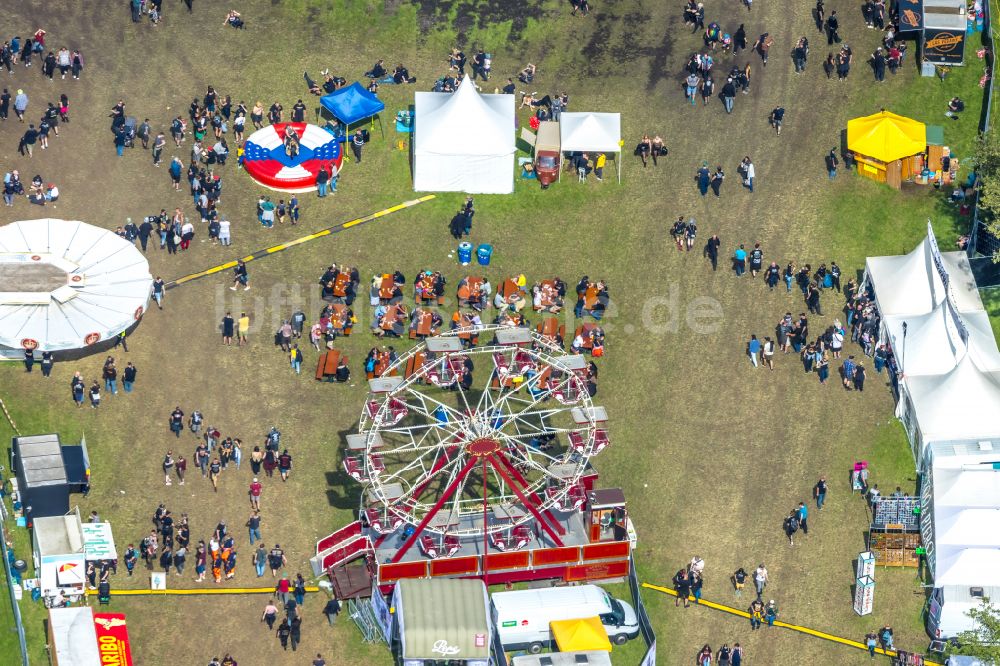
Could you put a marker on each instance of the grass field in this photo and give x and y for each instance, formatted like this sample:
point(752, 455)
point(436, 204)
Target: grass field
point(711, 453)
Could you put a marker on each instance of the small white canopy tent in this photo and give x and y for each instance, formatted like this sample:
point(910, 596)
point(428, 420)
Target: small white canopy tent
point(593, 133)
point(934, 343)
point(959, 406)
point(463, 142)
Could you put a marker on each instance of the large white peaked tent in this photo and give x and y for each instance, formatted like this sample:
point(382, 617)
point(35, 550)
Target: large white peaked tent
point(962, 534)
point(593, 133)
point(934, 343)
point(463, 142)
point(67, 285)
point(911, 283)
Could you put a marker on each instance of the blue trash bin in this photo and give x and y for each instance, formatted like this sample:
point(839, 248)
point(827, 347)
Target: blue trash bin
point(465, 253)
point(483, 253)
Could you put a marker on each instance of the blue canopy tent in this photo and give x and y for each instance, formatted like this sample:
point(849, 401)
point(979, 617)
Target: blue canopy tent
point(352, 104)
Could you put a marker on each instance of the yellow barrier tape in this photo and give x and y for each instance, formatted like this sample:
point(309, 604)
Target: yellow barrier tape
point(193, 592)
point(785, 625)
point(298, 241)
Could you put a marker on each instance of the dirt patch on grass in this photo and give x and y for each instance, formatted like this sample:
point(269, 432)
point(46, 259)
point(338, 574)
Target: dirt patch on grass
point(436, 14)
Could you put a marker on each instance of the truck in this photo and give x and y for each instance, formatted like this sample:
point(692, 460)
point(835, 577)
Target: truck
point(522, 617)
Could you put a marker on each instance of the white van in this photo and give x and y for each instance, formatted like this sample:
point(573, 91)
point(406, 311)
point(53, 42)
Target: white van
point(522, 618)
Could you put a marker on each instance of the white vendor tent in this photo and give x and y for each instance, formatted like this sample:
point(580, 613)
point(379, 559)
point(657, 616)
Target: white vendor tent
point(67, 285)
point(912, 283)
point(464, 142)
point(959, 406)
point(592, 133)
point(73, 637)
point(961, 531)
point(934, 343)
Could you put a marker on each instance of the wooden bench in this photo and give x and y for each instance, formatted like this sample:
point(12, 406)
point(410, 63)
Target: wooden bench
point(326, 367)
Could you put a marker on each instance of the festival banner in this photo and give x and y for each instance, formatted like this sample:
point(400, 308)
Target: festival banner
point(944, 47)
point(112, 639)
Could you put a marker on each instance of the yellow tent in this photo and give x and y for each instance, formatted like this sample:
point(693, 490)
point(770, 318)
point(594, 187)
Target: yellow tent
point(886, 136)
point(580, 635)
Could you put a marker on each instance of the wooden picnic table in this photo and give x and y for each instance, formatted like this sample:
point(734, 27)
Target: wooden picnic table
point(549, 327)
point(340, 284)
point(585, 330)
point(422, 320)
point(470, 290)
point(339, 316)
point(549, 293)
point(381, 363)
point(386, 288)
point(590, 297)
point(326, 368)
point(509, 289)
point(394, 315)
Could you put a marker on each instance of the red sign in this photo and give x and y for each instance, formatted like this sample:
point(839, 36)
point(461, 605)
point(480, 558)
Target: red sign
point(91, 338)
point(112, 639)
point(138, 313)
point(28, 343)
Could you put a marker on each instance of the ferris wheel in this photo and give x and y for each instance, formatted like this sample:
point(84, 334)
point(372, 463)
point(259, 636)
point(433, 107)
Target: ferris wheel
point(459, 442)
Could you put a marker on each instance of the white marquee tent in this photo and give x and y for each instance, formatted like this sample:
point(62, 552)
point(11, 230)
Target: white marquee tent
point(464, 142)
point(911, 283)
point(934, 343)
point(959, 406)
point(592, 132)
point(66, 285)
point(961, 530)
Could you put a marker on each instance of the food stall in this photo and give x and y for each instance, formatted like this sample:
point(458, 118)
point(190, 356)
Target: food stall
point(894, 534)
point(888, 148)
point(46, 472)
point(60, 560)
point(441, 620)
point(945, 23)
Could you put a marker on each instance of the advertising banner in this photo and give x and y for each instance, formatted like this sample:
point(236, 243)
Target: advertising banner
point(944, 47)
point(112, 639)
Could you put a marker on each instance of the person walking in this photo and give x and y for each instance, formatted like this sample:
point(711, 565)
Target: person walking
point(357, 143)
point(832, 28)
point(20, 105)
point(791, 526)
point(803, 513)
point(256, 490)
point(871, 640)
point(682, 587)
point(832, 163)
point(331, 610)
point(704, 178)
point(753, 350)
point(95, 395)
point(756, 612)
point(717, 179)
point(241, 276)
point(242, 328)
point(270, 614)
point(768, 353)
point(749, 173)
point(295, 359)
point(819, 492)
point(253, 527)
point(158, 287)
point(728, 94)
point(771, 612)
point(712, 250)
point(260, 559)
point(740, 260)
point(739, 581)
point(760, 579)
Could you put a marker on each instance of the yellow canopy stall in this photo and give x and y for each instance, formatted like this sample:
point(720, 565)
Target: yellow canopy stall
point(887, 146)
point(587, 633)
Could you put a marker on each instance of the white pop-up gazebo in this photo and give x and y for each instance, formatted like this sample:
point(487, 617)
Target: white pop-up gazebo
point(67, 285)
point(463, 142)
point(593, 133)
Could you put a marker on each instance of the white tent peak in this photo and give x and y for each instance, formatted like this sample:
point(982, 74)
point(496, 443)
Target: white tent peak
point(960, 405)
point(590, 130)
point(462, 124)
point(937, 341)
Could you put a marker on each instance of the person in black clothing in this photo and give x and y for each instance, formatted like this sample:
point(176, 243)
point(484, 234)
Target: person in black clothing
point(712, 250)
point(717, 178)
point(29, 359)
point(739, 39)
point(777, 116)
point(812, 300)
point(832, 26)
point(299, 112)
point(878, 65)
point(835, 275)
point(859, 377)
point(357, 143)
point(507, 90)
point(457, 225)
point(295, 631)
point(4, 104)
point(377, 71)
point(682, 586)
point(331, 610)
point(47, 361)
point(284, 631)
point(28, 141)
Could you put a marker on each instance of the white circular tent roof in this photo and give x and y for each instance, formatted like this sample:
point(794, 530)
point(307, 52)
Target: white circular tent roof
point(66, 284)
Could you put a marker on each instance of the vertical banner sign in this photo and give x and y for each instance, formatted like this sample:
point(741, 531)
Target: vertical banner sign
point(112, 639)
point(650, 658)
point(866, 565)
point(936, 255)
point(864, 595)
point(911, 15)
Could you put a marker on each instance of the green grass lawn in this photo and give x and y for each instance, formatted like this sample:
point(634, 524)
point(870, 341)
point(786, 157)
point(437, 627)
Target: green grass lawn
point(711, 454)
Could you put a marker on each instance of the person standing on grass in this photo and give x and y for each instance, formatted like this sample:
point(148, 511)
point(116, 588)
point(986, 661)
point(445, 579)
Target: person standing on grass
point(243, 327)
point(47, 362)
point(228, 323)
point(753, 350)
point(740, 260)
point(739, 581)
point(716, 181)
point(284, 464)
point(181, 468)
point(704, 178)
point(791, 526)
point(253, 527)
point(871, 640)
point(712, 250)
point(682, 587)
point(768, 353)
point(256, 490)
point(803, 513)
point(760, 579)
point(143, 232)
point(270, 614)
point(832, 28)
point(819, 492)
point(241, 276)
point(276, 559)
point(76, 386)
point(214, 470)
point(331, 610)
point(168, 466)
point(756, 612)
point(357, 143)
point(771, 612)
point(95, 395)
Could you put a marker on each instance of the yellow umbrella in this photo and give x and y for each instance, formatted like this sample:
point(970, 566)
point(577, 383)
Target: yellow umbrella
point(886, 137)
point(580, 635)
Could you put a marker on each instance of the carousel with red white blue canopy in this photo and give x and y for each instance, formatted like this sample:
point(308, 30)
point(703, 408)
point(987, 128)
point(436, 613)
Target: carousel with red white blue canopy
point(287, 156)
